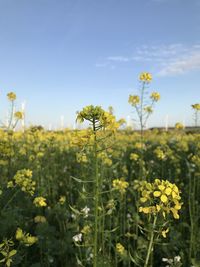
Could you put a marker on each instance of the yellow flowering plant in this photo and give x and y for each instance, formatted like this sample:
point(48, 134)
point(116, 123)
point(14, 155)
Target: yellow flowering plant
point(139, 102)
point(13, 117)
point(159, 201)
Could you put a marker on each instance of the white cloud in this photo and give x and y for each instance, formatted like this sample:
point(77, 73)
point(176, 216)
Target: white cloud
point(119, 59)
point(182, 65)
point(172, 59)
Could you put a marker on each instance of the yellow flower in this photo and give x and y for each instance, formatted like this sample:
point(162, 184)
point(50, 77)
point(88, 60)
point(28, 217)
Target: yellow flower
point(196, 107)
point(40, 202)
point(23, 178)
point(164, 198)
point(120, 184)
point(62, 200)
point(39, 219)
point(164, 232)
point(86, 229)
point(156, 193)
point(120, 249)
point(11, 96)
point(155, 96)
point(19, 115)
point(30, 240)
point(175, 213)
point(168, 191)
point(148, 109)
point(134, 156)
point(10, 184)
point(159, 197)
point(145, 77)
point(179, 126)
point(19, 234)
point(25, 238)
point(134, 100)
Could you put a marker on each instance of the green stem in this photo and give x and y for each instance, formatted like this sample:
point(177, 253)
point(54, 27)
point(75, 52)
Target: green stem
point(150, 248)
point(96, 199)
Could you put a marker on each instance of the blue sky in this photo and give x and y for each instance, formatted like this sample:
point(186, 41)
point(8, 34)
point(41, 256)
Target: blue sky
point(60, 55)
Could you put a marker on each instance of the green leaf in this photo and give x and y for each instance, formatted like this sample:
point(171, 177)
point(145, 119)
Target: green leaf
point(12, 253)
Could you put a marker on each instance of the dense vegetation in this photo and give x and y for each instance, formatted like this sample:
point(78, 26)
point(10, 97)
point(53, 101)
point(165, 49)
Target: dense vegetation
point(54, 166)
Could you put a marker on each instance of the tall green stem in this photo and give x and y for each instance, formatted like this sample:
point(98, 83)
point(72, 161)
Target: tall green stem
point(150, 248)
point(96, 198)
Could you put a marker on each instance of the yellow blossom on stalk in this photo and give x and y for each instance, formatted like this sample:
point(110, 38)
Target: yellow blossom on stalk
point(159, 153)
point(19, 115)
point(25, 238)
point(134, 156)
point(23, 178)
point(40, 202)
point(196, 106)
point(145, 77)
point(134, 100)
point(148, 109)
point(62, 200)
point(159, 197)
point(19, 234)
point(164, 232)
point(120, 184)
point(120, 249)
point(155, 96)
point(10, 184)
point(81, 158)
point(86, 229)
point(179, 126)
point(95, 114)
point(39, 219)
point(11, 96)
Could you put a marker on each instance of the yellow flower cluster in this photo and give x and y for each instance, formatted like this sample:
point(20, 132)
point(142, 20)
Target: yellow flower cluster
point(148, 109)
point(105, 158)
point(86, 230)
point(120, 249)
point(179, 126)
point(134, 156)
point(134, 100)
point(90, 113)
point(196, 106)
point(159, 196)
point(159, 153)
point(155, 96)
point(95, 114)
point(19, 115)
point(40, 202)
point(120, 184)
point(81, 138)
point(62, 200)
point(81, 157)
point(108, 121)
point(11, 96)
point(40, 219)
point(23, 178)
point(145, 77)
point(25, 238)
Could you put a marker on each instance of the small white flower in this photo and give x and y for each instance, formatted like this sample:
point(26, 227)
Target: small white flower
point(164, 259)
point(73, 216)
point(77, 238)
point(128, 215)
point(85, 211)
point(177, 259)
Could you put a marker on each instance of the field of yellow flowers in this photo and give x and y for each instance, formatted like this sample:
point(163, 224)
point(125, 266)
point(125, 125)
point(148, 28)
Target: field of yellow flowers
point(101, 196)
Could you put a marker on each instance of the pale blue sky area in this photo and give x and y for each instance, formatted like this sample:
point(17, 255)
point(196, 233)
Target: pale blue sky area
point(60, 55)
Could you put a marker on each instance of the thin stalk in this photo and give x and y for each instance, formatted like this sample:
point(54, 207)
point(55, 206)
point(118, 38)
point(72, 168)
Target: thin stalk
point(96, 198)
point(150, 248)
point(11, 115)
